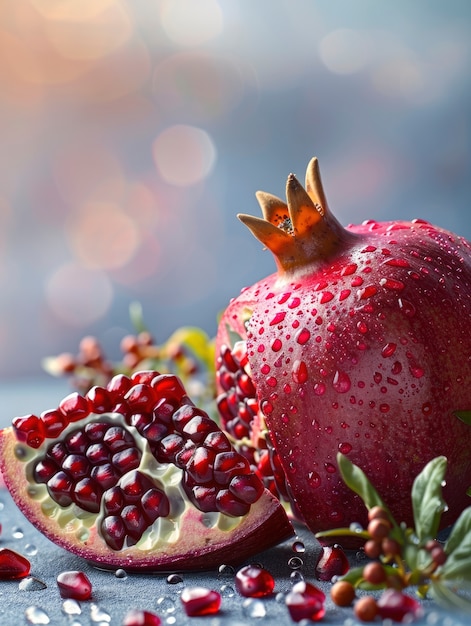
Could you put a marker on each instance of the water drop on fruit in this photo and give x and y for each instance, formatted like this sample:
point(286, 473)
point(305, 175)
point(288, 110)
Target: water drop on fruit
point(341, 382)
point(345, 447)
point(303, 336)
point(299, 372)
point(314, 480)
point(389, 349)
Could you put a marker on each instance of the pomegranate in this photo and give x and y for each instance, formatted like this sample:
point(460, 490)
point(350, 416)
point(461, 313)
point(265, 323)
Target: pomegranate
point(359, 343)
point(133, 475)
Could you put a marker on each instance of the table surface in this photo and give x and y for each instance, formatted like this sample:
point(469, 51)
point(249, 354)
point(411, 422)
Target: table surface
point(113, 596)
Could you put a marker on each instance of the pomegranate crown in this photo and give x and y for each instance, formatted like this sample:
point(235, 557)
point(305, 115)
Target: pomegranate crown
point(302, 231)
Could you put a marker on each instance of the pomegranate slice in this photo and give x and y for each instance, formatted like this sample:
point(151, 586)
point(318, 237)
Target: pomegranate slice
point(138, 477)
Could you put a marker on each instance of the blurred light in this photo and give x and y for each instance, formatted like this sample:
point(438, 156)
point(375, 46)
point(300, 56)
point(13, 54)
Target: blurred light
point(86, 168)
point(78, 296)
point(71, 11)
point(343, 51)
point(90, 36)
point(184, 155)
point(190, 23)
point(144, 264)
point(102, 236)
point(197, 83)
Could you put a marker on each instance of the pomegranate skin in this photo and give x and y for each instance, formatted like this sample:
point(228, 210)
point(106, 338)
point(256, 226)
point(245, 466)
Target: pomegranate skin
point(359, 344)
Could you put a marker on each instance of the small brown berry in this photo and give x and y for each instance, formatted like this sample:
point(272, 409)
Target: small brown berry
point(378, 529)
point(374, 573)
point(372, 548)
point(366, 609)
point(390, 547)
point(342, 593)
point(377, 512)
point(438, 554)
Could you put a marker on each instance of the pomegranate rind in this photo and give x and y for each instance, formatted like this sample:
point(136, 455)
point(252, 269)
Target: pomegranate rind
point(198, 545)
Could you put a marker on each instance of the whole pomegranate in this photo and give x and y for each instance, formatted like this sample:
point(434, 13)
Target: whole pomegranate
point(359, 343)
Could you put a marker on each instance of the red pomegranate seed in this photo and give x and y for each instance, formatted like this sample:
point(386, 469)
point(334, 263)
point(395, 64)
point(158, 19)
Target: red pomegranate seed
point(332, 562)
point(229, 464)
point(305, 601)
point(229, 504)
point(54, 423)
point(144, 376)
point(118, 386)
point(29, 429)
point(198, 601)
point(247, 488)
point(141, 618)
point(254, 582)
point(141, 397)
point(396, 606)
point(13, 565)
point(75, 585)
point(74, 406)
point(99, 399)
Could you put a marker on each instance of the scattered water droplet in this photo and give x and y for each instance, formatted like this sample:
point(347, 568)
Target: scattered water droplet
point(303, 336)
point(276, 345)
point(355, 527)
point(17, 532)
point(407, 307)
point(296, 576)
point(174, 579)
point(35, 615)
point(97, 614)
point(319, 389)
point(71, 607)
point(389, 349)
point(349, 269)
point(227, 591)
point(362, 327)
point(345, 447)
point(165, 604)
point(326, 296)
point(299, 372)
point(279, 317)
point(298, 547)
point(329, 468)
point(254, 608)
point(392, 284)
point(341, 382)
point(314, 480)
point(32, 584)
point(416, 371)
point(295, 562)
point(121, 573)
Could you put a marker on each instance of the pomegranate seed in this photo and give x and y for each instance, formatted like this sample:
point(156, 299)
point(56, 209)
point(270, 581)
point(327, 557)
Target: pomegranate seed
point(118, 386)
point(74, 406)
point(305, 601)
point(199, 601)
point(229, 464)
point(99, 399)
point(13, 565)
point(396, 605)
point(144, 376)
point(75, 585)
point(141, 618)
point(332, 562)
point(254, 582)
point(54, 423)
point(229, 504)
point(29, 429)
point(247, 487)
point(141, 397)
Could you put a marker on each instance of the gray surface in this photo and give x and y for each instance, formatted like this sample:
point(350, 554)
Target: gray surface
point(113, 596)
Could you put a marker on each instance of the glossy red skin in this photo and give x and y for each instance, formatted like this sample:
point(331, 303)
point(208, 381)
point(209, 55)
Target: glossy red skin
point(390, 413)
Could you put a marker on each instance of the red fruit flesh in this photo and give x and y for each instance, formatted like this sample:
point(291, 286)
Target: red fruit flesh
point(136, 617)
point(140, 486)
point(254, 582)
point(358, 344)
point(305, 602)
point(332, 562)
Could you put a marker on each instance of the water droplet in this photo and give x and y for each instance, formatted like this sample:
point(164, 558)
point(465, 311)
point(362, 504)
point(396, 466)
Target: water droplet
point(71, 607)
point(367, 292)
point(121, 573)
point(32, 584)
point(279, 317)
point(392, 284)
point(303, 336)
point(254, 608)
point(326, 296)
point(343, 295)
point(357, 281)
point(265, 369)
point(174, 579)
point(396, 368)
point(276, 345)
point(384, 408)
point(362, 327)
point(227, 591)
point(17, 532)
point(416, 371)
point(299, 372)
point(349, 269)
point(341, 382)
point(397, 263)
point(329, 468)
point(294, 303)
point(271, 381)
point(377, 377)
point(345, 447)
point(284, 297)
point(97, 614)
point(296, 576)
point(389, 349)
point(35, 615)
point(298, 547)
point(368, 249)
point(226, 570)
point(165, 604)
point(295, 562)
point(407, 307)
point(427, 408)
point(314, 480)
point(319, 389)
point(267, 407)
point(355, 527)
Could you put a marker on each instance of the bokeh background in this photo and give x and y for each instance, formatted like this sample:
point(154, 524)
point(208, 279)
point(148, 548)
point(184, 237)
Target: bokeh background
point(133, 131)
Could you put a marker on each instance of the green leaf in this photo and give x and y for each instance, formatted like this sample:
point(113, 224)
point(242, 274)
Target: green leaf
point(448, 598)
point(356, 479)
point(137, 317)
point(458, 550)
point(464, 416)
point(343, 532)
point(427, 501)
